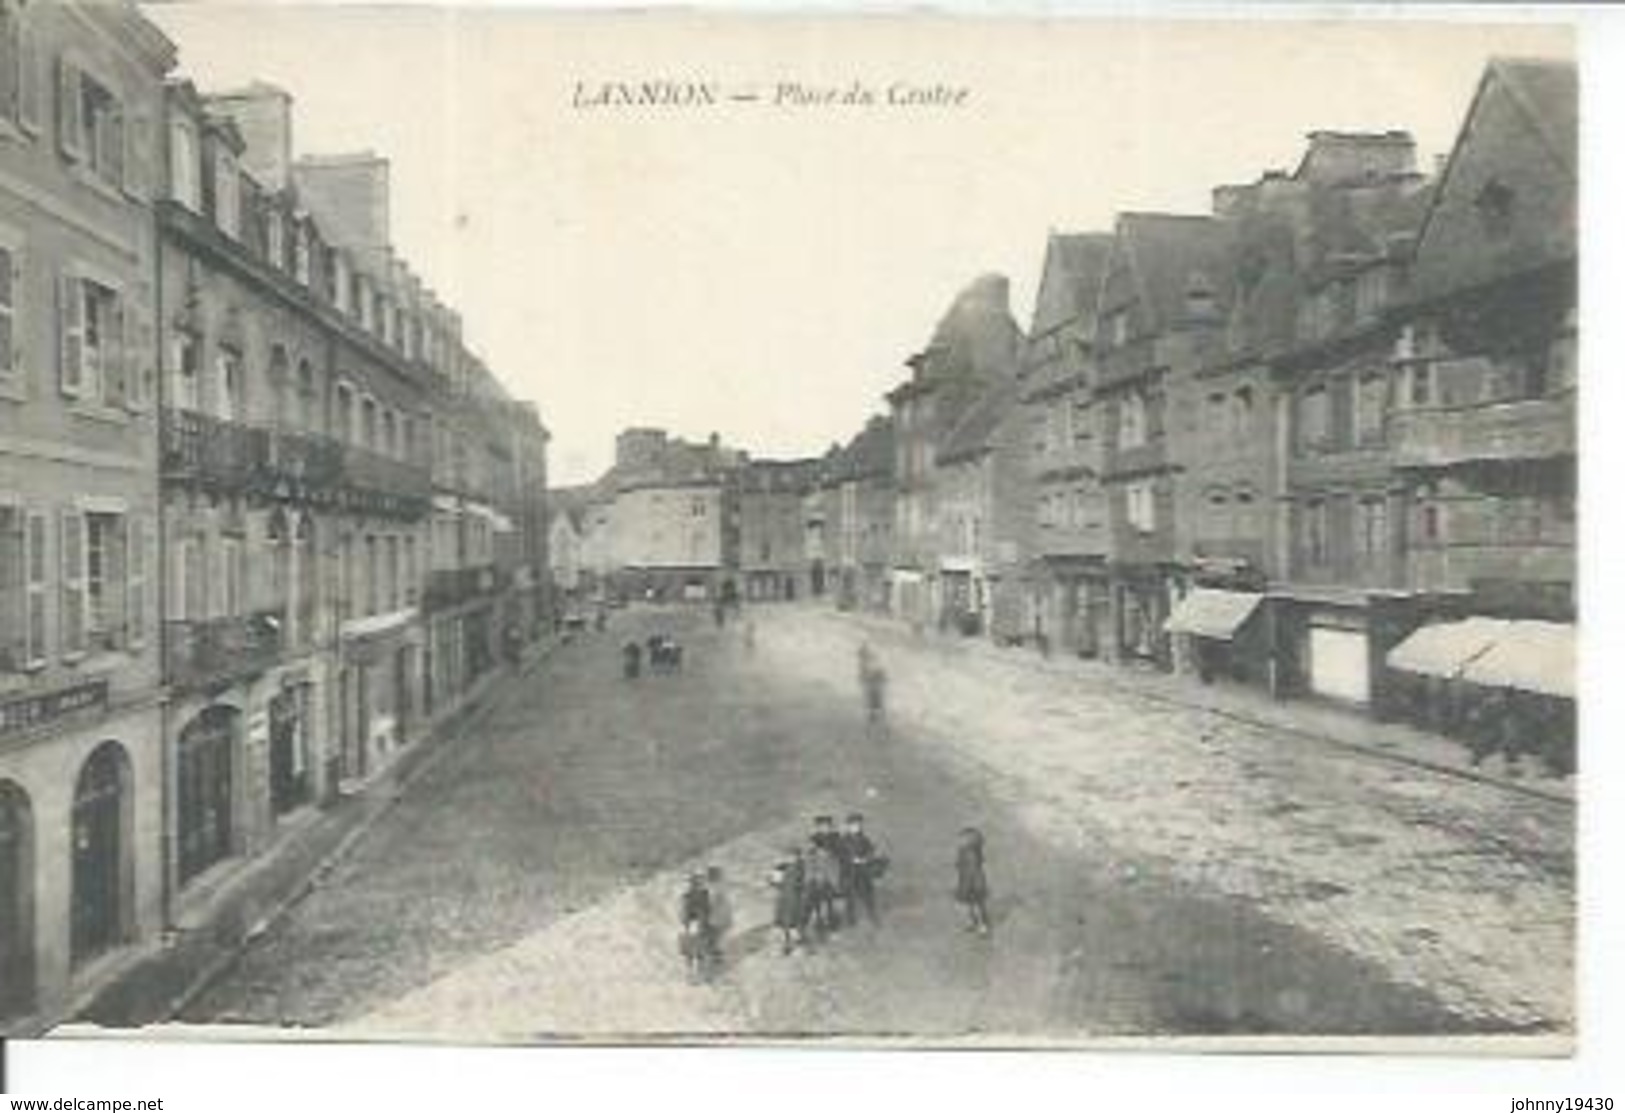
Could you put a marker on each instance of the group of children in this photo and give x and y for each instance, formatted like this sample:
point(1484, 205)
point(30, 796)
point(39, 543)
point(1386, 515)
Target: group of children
point(822, 888)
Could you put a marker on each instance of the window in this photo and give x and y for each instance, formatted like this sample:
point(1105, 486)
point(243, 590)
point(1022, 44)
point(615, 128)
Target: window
point(1315, 521)
point(10, 281)
point(392, 573)
point(276, 245)
point(185, 356)
point(191, 602)
point(1314, 419)
point(344, 413)
point(374, 580)
point(1496, 203)
point(91, 335)
point(1142, 507)
point(104, 580)
point(1083, 424)
point(232, 602)
point(1117, 328)
point(1218, 512)
point(91, 128)
point(1370, 292)
point(228, 385)
point(227, 199)
point(389, 447)
point(183, 165)
point(369, 424)
point(697, 508)
point(301, 254)
point(1241, 413)
point(19, 68)
point(1370, 406)
point(1131, 421)
point(1421, 385)
point(14, 584)
point(1373, 532)
point(343, 291)
point(410, 569)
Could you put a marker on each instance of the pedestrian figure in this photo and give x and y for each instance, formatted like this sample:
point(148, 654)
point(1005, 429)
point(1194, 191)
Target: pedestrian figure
point(512, 644)
point(600, 619)
point(696, 942)
point(788, 881)
point(864, 865)
point(874, 695)
point(750, 637)
point(823, 876)
point(631, 660)
point(971, 886)
point(722, 915)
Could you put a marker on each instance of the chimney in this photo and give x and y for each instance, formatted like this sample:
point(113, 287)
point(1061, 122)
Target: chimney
point(349, 194)
point(263, 115)
point(1344, 157)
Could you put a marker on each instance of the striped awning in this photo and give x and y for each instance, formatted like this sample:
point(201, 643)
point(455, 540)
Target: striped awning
point(1444, 648)
point(1210, 613)
point(1530, 656)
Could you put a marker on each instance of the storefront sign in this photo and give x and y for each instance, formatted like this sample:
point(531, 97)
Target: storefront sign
point(21, 714)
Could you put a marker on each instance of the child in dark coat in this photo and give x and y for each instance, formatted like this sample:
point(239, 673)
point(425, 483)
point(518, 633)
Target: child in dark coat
point(789, 880)
point(970, 888)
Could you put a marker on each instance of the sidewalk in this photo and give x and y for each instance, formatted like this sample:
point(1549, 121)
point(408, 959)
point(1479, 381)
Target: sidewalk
point(158, 985)
point(1307, 719)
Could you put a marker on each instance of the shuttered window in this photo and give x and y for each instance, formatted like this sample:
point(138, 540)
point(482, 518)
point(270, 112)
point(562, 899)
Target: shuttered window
point(10, 283)
point(71, 564)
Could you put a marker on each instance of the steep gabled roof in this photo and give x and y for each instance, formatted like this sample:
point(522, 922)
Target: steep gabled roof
point(974, 434)
point(1167, 252)
point(870, 454)
point(1074, 264)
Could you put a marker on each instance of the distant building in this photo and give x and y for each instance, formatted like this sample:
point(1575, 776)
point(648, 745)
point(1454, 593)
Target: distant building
point(770, 501)
point(860, 502)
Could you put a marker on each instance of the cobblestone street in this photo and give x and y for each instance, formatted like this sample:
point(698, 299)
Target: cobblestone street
point(1155, 870)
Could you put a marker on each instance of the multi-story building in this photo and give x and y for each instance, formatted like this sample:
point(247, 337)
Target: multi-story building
point(1161, 310)
point(859, 497)
point(770, 501)
point(975, 346)
point(81, 755)
point(1065, 528)
point(673, 529)
point(983, 498)
point(1481, 432)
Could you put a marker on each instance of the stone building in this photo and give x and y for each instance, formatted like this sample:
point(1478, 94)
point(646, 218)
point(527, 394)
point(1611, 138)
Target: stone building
point(1481, 433)
point(860, 500)
point(82, 764)
point(975, 346)
point(1065, 532)
point(770, 501)
point(1161, 310)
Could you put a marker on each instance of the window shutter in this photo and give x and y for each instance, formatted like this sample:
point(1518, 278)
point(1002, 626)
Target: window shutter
point(71, 556)
point(11, 278)
point(28, 78)
point(111, 140)
point(10, 62)
point(135, 595)
point(139, 348)
point(70, 125)
point(137, 153)
point(35, 564)
point(71, 334)
point(115, 582)
point(113, 353)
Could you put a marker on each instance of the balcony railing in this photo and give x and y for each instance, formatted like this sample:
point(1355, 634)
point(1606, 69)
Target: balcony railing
point(206, 652)
point(233, 455)
point(1530, 429)
point(212, 451)
point(448, 587)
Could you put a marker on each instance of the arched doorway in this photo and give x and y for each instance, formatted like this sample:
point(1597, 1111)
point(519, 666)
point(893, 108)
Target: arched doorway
point(16, 902)
point(101, 846)
point(204, 793)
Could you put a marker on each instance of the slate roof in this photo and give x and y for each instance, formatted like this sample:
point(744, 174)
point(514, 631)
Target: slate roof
point(974, 434)
point(1073, 266)
point(1166, 251)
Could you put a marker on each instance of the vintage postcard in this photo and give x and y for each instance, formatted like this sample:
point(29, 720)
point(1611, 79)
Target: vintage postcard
point(523, 526)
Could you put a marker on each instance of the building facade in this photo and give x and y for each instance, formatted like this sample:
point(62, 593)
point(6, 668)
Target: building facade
point(81, 752)
point(1066, 530)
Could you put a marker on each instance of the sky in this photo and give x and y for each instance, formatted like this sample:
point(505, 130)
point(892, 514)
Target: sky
point(762, 270)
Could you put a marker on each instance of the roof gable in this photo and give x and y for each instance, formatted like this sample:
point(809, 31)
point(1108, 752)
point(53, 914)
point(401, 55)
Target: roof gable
point(1506, 201)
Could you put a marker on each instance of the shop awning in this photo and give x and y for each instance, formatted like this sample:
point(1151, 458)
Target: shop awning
point(1445, 648)
point(1210, 613)
point(1531, 656)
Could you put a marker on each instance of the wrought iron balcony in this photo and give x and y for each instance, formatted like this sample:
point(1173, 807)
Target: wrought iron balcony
point(449, 587)
point(213, 452)
point(215, 651)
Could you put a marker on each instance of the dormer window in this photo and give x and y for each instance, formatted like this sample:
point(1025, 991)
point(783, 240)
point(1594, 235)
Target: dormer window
point(227, 206)
point(1201, 303)
point(183, 165)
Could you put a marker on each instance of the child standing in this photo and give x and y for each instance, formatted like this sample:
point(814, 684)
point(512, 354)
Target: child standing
point(971, 885)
